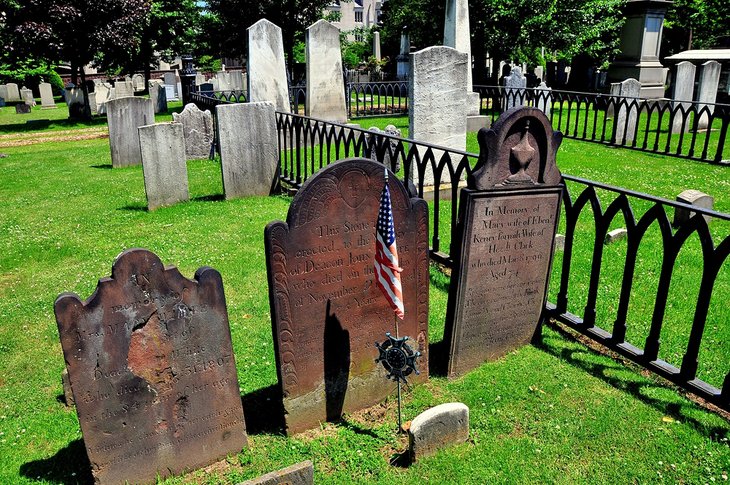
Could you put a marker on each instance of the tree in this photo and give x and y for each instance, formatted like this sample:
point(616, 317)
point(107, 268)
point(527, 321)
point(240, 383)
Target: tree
point(233, 17)
point(696, 24)
point(74, 31)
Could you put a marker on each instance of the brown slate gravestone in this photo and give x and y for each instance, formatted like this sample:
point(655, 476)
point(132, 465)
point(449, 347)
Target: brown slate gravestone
point(507, 220)
point(152, 370)
point(327, 313)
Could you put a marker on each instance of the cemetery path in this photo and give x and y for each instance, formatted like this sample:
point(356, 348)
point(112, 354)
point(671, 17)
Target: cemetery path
point(24, 139)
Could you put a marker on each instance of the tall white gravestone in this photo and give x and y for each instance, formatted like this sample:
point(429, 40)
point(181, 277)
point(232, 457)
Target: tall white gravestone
point(709, 81)
point(163, 164)
point(46, 95)
point(684, 88)
point(325, 81)
point(249, 148)
point(628, 111)
point(266, 67)
point(124, 116)
point(13, 92)
point(436, 97)
point(458, 35)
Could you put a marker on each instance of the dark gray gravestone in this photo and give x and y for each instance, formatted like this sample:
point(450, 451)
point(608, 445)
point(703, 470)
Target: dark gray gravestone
point(22, 109)
point(507, 220)
point(151, 365)
point(327, 312)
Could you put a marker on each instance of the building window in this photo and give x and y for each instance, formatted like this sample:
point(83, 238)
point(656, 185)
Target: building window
point(358, 17)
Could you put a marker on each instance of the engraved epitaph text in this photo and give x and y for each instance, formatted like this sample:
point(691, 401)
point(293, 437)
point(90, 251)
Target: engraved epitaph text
point(151, 365)
point(327, 311)
point(507, 222)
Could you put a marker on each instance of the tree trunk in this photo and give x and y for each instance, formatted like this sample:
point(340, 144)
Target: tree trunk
point(85, 90)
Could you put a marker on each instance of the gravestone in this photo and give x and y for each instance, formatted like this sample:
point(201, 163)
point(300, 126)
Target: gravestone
point(152, 369)
point(170, 92)
point(326, 309)
point(4, 92)
point(402, 60)
point(22, 109)
point(13, 93)
point(301, 473)
point(458, 35)
point(103, 93)
point(544, 98)
point(692, 197)
point(628, 112)
point(124, 116)
point(614, 92)
point(249, 148)
point(266, 67)
point(138, 82)
point(199, 78)
point(508, 215)
point(170, 79)
point(514, 89)
point(436, 100)
point(376, 45)
point(75, 102)
point(198, 127)
point(709, 81)
point(436, 428)
point(163, 164)
point(206, 87)
point(539, 74)
point(123, 89)
point(158, 97)
point(684, 88)
point(46, 93)
point(325, 82)
point(27, 96)
point(387, 146)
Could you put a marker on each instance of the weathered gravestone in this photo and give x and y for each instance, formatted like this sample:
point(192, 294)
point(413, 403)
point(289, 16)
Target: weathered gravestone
point(22, 109)
point(158, 97)
point(326, 309)
point(46, 92)
point(683, 93)
point(123, 89)
point(508, 215)
point(325, 82)
point(152, 369)
point(266, 67)
point(27, 95)
point(138, 82)
point(13, 92)
point(544, 98)
point(198, 127)
point(514, 89)
point(436, 99)
point(124, 116)
point(709, 81)
point(627, 111)
point(4, 92)
point(298, 474)
point(163, 164)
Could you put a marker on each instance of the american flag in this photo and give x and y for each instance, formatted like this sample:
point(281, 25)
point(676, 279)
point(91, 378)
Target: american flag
point(387, 271)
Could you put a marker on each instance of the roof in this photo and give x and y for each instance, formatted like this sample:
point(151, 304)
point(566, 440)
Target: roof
point(701, 55)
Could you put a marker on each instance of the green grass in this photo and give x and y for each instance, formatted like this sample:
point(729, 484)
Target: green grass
point(554, 412)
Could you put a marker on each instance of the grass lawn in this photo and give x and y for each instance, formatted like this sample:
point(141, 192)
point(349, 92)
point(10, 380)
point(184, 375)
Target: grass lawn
point(552, 412)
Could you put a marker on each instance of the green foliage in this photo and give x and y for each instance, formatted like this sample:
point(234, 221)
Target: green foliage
point(696, 24)
point(355, 53)
point(207, 63)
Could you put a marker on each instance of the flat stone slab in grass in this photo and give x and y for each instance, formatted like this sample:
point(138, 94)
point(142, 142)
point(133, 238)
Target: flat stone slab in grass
point(298, 474)
point(151, 365)
point(438, 427)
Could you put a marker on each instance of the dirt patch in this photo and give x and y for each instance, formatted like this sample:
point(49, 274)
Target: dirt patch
point(25, 139)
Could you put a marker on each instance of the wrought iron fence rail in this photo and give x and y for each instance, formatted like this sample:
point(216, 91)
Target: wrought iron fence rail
point(308, 144)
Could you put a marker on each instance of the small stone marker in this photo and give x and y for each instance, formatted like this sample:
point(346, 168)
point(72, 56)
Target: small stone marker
point(27, 95)
point(163, 164)
point(151, 364)
point(693, 197)
point(249, 148)
point(508, 216)
point(325, 82)
point(46, 95)
point(301, 473)
point(615, 235)
point(684, 88)
point(158, 97)
point(326, 309)
point(436, 428)
point(124, 116)
point(560, 242)
point(266, 66)
point(22, 109)
point(198, 126)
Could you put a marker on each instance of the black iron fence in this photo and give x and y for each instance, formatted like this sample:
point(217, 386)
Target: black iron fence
point(307, 144)
point(210, 99)
point(692, 130)
point(363, 98)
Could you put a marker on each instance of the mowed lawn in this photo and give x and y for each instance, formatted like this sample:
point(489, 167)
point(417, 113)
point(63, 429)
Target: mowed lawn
point(554, 412)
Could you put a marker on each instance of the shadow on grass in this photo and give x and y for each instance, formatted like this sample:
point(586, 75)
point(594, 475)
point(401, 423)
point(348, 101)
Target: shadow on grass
point(60, 124)
point(209, 198)
point(105, 166)
point(134, 207)
point(264, 411)
point(438, 358)
point(636, 385)
point(59, 467)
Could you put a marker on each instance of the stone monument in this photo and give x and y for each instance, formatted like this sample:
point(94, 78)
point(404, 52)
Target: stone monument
point(198, 128)
point(508, 215)
point(628, 111)
point(709, 81)
point(325, 82)
point(124, 116)
point(151, 366)
point(514, 89)
point(266, 67)
point(683, 93)
point(326, 309)
point(163, 164)
point(46, 93)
